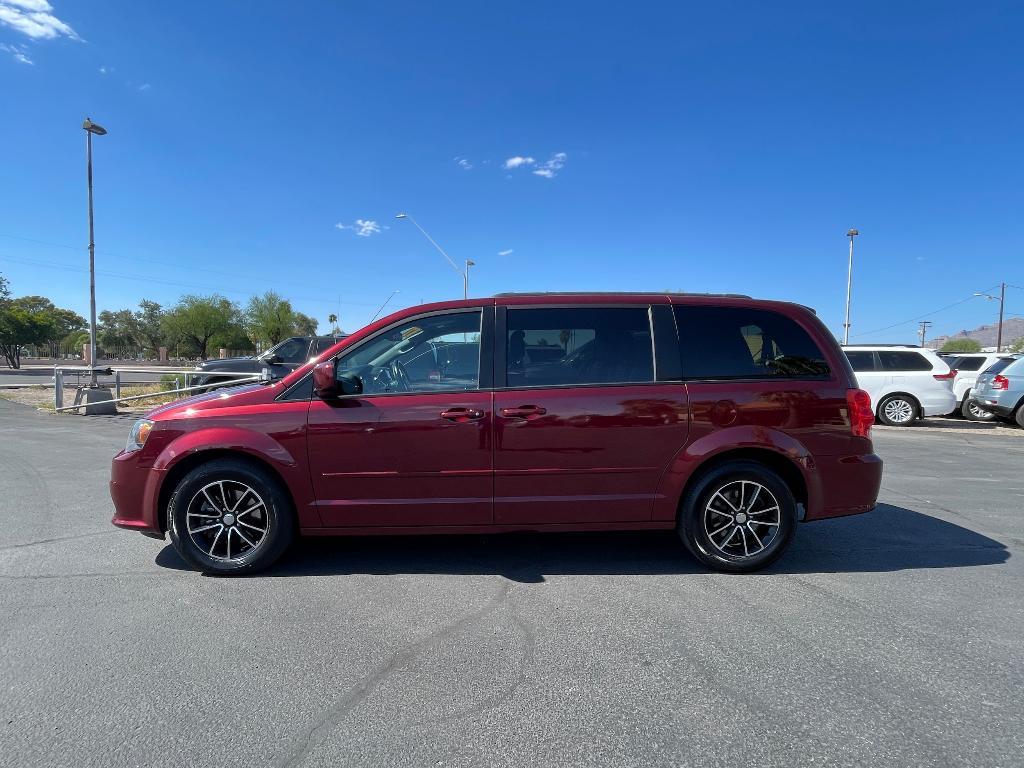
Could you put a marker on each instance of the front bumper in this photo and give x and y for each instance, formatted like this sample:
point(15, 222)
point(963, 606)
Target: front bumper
point(133, 489)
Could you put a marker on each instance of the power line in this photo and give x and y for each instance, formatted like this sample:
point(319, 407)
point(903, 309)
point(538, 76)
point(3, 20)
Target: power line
point(163, 281)
point(921, 317)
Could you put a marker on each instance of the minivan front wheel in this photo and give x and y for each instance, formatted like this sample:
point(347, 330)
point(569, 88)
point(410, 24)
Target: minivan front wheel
point(897, 410)
point(228, 517)
point(738, 517)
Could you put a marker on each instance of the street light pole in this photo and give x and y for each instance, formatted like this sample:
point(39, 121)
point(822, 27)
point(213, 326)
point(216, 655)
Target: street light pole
point(465, 278)
point(1001, 298)
point(849, 287)
point(463, 273)
point(91, 128)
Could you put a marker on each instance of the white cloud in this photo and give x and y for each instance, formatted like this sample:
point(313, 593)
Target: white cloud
point(550, 168)
point(19, 52)
point(464, 163)
point(362, 227)
point(145, 87)
point(507, 252)
point(34, 18)
point(517, 161)
point(104, 70)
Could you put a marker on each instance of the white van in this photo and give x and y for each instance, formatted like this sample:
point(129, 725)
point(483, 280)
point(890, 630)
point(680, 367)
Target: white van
point(905, 382)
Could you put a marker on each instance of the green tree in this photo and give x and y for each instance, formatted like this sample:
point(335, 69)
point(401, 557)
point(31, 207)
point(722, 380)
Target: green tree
point(269, 318)
point(305, 325)
point(73, 342)
point(23, 321)
point(195, 320)
point(1017, 346)
point(961, 345)
point(149, 325)
point(116, 329)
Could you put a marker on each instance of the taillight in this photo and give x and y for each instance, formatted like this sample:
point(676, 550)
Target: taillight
point(1000, 382)
point(946, 376)
point(858, 402)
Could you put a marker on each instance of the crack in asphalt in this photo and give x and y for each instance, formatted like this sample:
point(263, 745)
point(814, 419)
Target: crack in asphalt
point(358, 693)
point(57, 539)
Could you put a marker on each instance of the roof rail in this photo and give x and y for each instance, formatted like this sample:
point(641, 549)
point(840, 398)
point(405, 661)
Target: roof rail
point(910, 346)
point(513, 294)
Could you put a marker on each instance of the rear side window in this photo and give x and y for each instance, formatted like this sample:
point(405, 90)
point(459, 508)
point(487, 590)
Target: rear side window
point(585, 345)
point(323, 344)
point(745, 343)
point(861, 361)
point(967, 363)
point(903, 361)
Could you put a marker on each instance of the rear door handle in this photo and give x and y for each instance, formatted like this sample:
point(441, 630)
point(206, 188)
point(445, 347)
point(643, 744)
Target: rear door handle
point(462, 415)
point(523, 412)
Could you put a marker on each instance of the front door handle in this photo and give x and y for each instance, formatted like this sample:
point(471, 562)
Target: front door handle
point(462, 415)
point(524, 412)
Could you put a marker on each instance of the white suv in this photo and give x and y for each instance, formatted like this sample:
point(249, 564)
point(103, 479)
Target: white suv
point(967, 366)
point(905, 383)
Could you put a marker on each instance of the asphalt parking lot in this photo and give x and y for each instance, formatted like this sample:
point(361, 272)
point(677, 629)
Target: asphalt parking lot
point(890, 638)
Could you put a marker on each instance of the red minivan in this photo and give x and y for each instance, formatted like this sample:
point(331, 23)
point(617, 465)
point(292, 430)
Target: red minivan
point(726, 418)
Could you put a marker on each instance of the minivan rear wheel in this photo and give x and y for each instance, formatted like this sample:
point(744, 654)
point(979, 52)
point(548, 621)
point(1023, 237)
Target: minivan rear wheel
point(898, 410)
point(738, 517)
point(230, 517)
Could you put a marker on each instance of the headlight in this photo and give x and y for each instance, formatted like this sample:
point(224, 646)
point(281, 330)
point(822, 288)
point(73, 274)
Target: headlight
point(138, 435)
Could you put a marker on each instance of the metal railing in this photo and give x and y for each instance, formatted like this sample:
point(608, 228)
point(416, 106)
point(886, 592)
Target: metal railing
point(59, 372)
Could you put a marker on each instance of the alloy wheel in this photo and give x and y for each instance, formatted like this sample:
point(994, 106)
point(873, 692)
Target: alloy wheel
point(898, 411)
point(227, 520)
point(742, 518)
point(976, 412)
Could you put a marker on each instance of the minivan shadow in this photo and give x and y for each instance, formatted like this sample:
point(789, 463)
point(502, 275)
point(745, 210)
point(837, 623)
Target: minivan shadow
point(889, 539)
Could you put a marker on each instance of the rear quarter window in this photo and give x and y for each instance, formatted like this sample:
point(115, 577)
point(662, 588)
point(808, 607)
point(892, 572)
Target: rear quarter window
point(903, 361)
point(861, 361)
point(967, 363)
point(745, 343)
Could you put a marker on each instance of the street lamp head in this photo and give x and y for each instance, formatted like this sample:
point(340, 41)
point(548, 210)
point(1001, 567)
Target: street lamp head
point(470, 263)
point(401, 215)
point(852, 233)
point(93, 128)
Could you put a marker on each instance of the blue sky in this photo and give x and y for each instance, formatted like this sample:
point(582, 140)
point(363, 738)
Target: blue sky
point(702, 147)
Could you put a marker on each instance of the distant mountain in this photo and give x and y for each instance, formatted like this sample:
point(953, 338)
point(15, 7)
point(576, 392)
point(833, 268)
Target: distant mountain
point(1013, 328)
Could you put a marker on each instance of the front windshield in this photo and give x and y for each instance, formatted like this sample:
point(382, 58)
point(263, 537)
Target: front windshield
point(291, 350)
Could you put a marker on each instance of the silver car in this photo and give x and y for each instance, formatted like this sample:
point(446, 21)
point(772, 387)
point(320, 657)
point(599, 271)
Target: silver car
point(1000, 389)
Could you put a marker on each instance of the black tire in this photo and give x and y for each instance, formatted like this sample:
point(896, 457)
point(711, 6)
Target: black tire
point(902, 410)
point(274, 514)
point(720, 553)
point(970, 410)
point(1019, 415)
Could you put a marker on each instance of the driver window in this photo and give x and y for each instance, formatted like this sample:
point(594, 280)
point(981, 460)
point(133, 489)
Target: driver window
point(437, 353)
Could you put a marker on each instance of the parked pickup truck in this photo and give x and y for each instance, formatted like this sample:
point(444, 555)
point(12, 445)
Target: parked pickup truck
point(281, 359)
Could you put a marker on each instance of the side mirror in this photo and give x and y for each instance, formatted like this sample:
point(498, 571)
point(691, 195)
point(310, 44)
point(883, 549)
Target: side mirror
point(275, 360)
point(327, 382)
point(350, 384)
point(324, 382)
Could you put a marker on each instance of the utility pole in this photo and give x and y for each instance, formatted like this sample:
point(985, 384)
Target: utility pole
point(922, 331)
point(1002, 301)
point(852, 233)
